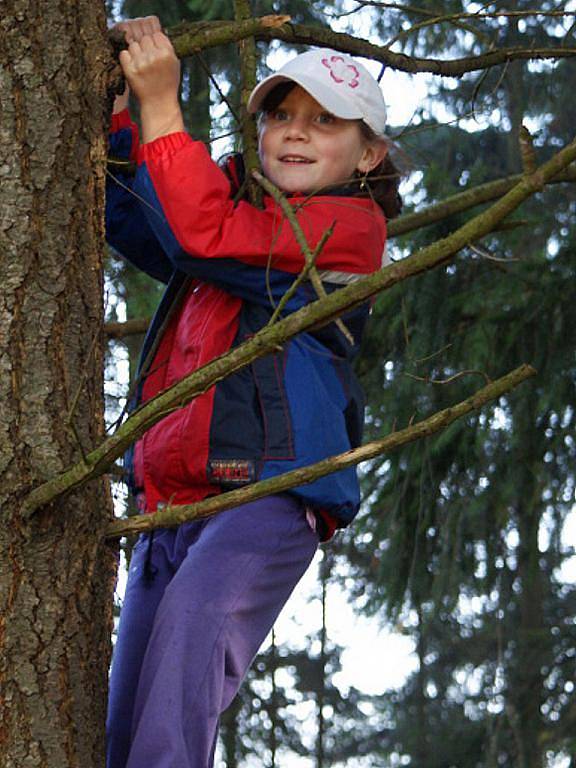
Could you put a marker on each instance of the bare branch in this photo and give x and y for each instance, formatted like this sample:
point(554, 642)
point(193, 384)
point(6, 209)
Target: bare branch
point(454, 19)
point(302, 276)
point(191, 37)
point(484, 254)
point(449, 379)
point(267, 340)
point(173, 516)
point(220, 92)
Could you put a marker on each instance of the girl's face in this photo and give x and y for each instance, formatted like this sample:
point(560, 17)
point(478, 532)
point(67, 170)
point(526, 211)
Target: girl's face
point(304, 148)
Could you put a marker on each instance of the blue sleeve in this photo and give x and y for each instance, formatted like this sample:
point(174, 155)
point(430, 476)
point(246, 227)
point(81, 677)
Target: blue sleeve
point(127, 228)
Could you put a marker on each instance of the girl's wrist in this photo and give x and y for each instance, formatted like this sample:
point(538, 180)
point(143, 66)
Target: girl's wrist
point(160, 119)
point(121, 101)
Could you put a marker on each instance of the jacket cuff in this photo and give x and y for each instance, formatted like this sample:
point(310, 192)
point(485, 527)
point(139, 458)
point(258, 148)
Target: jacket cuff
point(163, 146)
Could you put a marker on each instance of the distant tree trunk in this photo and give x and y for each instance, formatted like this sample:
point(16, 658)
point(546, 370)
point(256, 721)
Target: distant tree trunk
point(229, 733)
point(516, 104)
point(325, 568)
point(421, 723)
point(531, 642)
point(274, 714)
point(56, 574)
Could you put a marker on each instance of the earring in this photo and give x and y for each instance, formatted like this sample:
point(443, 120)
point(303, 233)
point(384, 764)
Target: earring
point(364, 181)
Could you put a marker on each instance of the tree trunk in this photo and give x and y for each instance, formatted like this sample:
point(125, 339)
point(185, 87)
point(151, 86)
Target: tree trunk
point(325, 568)
point(274, 713)
point(56, 574)
point(229, 733)
point(421, 722)
point(531, 653)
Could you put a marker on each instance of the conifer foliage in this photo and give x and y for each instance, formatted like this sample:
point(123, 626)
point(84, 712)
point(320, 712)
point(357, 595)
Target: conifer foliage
point(463, 537)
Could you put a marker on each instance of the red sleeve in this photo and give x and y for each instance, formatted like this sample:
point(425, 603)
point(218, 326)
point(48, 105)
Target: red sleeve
point(194, 195)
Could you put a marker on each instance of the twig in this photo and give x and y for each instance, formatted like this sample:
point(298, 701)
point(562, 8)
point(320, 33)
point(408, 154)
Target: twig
point(216, 85)
point(173, 516)
point(302, 276)
point(455, 19)
point(450, 379)
point(481, 14)
point(488, 256)
point(432, 355)
point(309, 256)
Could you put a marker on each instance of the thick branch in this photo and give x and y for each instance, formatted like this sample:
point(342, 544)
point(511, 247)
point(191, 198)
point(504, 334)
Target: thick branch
point(189, 38)
point(267, 340)
point(298, 33)
point(173, 516)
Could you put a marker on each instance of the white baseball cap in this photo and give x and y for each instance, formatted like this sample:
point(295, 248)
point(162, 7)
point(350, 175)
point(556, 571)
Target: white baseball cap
point(338, 82)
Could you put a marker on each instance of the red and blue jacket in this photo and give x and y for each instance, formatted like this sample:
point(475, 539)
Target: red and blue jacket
point(226, 266)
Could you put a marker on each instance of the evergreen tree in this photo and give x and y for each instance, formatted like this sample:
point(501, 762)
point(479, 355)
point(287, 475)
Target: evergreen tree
point(464, 538)
point(452, 544)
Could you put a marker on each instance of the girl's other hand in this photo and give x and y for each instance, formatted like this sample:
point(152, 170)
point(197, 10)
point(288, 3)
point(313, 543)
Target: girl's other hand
point(152, 71)
point(134, 30)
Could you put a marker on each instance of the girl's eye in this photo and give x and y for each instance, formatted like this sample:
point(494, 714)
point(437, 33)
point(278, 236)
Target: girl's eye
point(326, 118)
point(279, 114)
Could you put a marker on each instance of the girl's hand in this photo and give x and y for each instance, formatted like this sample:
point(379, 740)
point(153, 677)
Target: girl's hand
point(152, 71)
point(134, 30)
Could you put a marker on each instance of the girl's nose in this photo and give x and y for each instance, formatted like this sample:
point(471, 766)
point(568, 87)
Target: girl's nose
point(297, 129)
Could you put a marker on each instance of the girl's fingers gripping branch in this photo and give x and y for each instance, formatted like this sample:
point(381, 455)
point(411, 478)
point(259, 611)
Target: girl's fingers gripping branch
point(136, 29)
point(152, 70)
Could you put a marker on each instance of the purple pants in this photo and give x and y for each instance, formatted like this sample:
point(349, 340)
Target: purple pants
point(189, 632)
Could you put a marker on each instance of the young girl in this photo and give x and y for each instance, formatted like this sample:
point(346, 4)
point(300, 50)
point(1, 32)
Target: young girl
point(202, 598)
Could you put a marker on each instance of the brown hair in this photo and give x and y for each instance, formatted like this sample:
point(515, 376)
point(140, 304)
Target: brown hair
point(381, 184)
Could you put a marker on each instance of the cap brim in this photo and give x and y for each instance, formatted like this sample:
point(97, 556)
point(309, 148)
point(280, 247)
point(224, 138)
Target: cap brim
point(326, 97)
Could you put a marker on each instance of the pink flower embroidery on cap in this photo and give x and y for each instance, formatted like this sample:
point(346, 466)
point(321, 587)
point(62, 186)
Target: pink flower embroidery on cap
point(341, 72)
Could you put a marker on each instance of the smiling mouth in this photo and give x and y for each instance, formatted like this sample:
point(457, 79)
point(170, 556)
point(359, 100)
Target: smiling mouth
point(296, 160)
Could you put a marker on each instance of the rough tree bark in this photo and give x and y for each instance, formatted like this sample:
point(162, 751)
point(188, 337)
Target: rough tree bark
point(56, 573)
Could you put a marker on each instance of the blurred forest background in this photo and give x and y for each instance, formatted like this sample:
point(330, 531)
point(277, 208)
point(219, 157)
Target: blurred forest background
point(464, 543)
